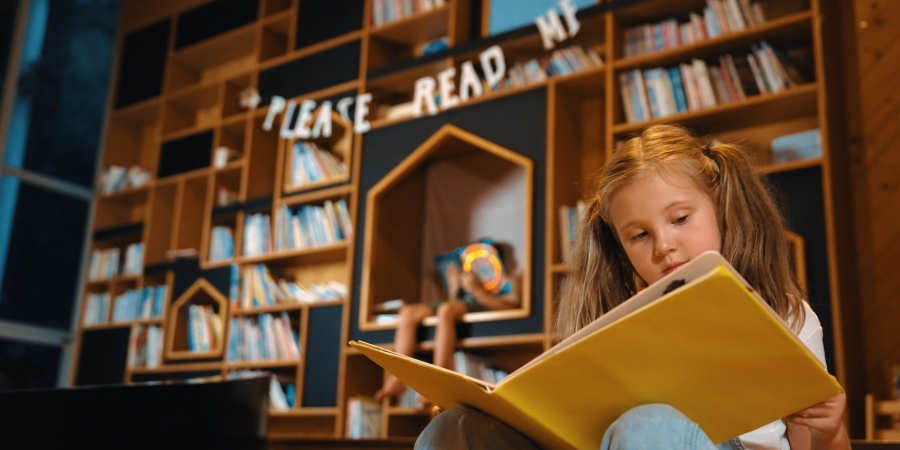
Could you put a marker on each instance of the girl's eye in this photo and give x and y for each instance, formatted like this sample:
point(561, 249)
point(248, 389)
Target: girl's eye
point(681, 219)
point(639, 236)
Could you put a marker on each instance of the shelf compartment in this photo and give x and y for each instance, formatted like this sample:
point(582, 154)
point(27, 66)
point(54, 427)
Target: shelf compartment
point(231, 102)
point(159, 223)
point(192, 109)
point(131, 136)
point(416, 28)
point(262, 158)
point(272, 7)
point(185, 154)
point(215, 59)
point(234, 137)
point(121, 208)
point(191, 212)
point(306, 169)
point(275, 38)
point(402, 233)
point(176, 344)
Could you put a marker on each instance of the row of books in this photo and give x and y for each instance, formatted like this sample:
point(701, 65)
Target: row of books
point(204, 328)
point(312, 225)
point(662, 92)
point(311, 164)
point(108, 263)
point(263, 338)
point(145, 346)
point(221, 244)
point(562, 61)
point(115, 178)
point(476, 366)
point(718, 17)
point(140, 304)
point(257, 237)
point(282, 396)
point(259, 288)
point(363, 418)
point(384, 11)
point(570, 218)
point(97, 309)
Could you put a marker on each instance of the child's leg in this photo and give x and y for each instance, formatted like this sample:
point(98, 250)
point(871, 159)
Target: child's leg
point(469, 428)
point(445, 333)
point(404, 343)
point(658, 426)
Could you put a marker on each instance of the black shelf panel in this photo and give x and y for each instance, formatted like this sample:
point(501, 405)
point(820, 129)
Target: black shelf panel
point(213, 18)
point(120, 231)
point(185, 154)
point(143, 64)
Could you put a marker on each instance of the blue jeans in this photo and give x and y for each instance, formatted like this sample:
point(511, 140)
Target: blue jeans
point(647, 427)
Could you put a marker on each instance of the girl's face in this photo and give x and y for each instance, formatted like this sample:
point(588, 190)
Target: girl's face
point(663, 222)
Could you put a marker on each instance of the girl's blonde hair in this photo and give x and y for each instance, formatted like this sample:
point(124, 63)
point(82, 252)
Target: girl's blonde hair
point(752, 228)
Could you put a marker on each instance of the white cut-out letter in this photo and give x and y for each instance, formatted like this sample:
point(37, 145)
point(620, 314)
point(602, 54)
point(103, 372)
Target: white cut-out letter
point(569, 11)
point(275, 106)
point(360, 124)
point(424, 92)
point(468, 81)
point(445, 81)
point(551, 29)
point(322, 127)
point(301, 130)
point(286, 131)
point(493, 74)
point(343, 106)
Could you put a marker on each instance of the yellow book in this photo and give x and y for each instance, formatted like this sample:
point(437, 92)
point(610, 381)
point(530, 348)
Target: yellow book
point(712, 348)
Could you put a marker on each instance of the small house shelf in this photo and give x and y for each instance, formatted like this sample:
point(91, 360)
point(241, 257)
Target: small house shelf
point(178, 336)
point(438, 198)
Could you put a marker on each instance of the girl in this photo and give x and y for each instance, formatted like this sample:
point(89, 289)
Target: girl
point(662, 199)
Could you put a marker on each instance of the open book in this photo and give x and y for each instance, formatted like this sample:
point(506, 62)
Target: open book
point(712, 348)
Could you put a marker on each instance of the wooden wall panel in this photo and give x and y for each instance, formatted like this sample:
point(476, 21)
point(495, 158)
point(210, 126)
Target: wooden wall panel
point(874, 143)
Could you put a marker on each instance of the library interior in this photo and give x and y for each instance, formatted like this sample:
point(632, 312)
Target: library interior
point(221, 220)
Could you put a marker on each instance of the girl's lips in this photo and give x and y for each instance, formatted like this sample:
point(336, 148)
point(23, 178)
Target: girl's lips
point(672, 267)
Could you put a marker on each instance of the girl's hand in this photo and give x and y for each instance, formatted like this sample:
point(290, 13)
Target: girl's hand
point(825, 423)
point(470, 283)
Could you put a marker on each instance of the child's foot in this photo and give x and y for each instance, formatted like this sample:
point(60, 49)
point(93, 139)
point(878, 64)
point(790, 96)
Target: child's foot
point(391, 387)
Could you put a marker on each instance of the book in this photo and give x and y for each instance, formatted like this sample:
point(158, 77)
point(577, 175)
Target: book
point(671, 343)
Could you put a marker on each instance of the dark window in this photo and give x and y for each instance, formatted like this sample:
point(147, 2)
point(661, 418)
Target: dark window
point(62, 95)
point(44, 256)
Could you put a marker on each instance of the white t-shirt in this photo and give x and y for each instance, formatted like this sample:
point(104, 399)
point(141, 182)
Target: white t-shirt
point(772, 436)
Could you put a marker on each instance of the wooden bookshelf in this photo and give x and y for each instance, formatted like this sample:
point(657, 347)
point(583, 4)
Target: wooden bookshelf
point(173, 109)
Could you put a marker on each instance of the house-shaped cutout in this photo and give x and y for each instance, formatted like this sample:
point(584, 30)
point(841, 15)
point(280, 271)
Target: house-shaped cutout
point(453, 189)
point(200, 293)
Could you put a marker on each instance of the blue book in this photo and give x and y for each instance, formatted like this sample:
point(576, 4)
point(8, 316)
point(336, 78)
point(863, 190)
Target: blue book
point(159, 300)
point(657, 37)
point(653, 96)
point(678, 89)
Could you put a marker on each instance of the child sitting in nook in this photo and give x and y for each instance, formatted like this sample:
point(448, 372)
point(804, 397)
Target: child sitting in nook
point(663, 198)
point(476, 280)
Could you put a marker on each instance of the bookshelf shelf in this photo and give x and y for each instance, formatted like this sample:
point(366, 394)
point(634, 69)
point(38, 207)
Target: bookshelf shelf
point(323, 253)
point(787, 30)
point(275, 364)
point(180, 368)
point(791, 166)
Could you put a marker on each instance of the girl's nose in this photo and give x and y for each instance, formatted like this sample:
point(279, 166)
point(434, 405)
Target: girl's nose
point(663, 245)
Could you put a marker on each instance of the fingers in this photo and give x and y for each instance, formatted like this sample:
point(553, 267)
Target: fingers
point(435, 410)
